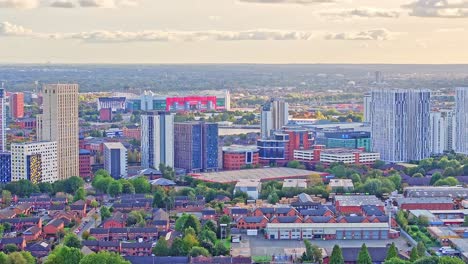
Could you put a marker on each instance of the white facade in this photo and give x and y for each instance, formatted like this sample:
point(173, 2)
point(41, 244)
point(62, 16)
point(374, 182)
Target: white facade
point(115, 159)
point(349, 157)
point(461, 115)
point(400, 124)
point(157, 139)
point(442, 131)
point(2, 120)
point(59, 123)
point(274, 116)
point(367, 107)
point(251, 187)
point(36, 161)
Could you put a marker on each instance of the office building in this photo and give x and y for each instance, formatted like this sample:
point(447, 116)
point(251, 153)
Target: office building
point(461, 115)
point(35, 161)
point(196, 146)
point(401, 124)
point(17, 105)
point(205, 100)
point(59, 122)
point(351, 139)
point(115, 159)
point(442, 131)
point(5, 167)
point(367, 107)
point(112, 103)
point(238, 157)
point(2, 120)
point(157, 139)
point(274, 115)
point(85, 164)
point(105, 114)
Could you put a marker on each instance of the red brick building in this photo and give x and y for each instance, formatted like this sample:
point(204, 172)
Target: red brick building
point(17, 105)
point(53, 227)
point(252, 222)
point(132, 132)
point(426, 203)
point(26, 123)
point(85, 163)
point(105, 114)
point(238, 157)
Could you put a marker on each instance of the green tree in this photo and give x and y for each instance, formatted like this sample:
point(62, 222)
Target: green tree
point(336, 256)
point(73, 183)
point(101, 183)
point(427, 260)
point(465, 222)
point(189, 241)
point(28, 257)
point(210, 225)
point(209, 235)
point(220, 249)
point(421, 249)
point(392, 252)
point(295, 164)
point(9, 248)
point(177, 247)
point(396, 261)
point(364, 256)
point(6, 197)
point(94, 204)
point(127, 187)
point(414, 254)
point(114, 189)
point(45, 187)
point(16, 258)
point(135, 217)
point(80, 194)
point(449, 260)
point(3, 258)
point(199, 251)
point(71, 240)
point(159, 198)
point(435, 177)
point(161, 248)
point(105, 213)
point(141, 185)
point(103, 257)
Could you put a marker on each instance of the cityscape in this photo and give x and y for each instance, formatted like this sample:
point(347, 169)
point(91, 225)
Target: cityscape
point(233, 131)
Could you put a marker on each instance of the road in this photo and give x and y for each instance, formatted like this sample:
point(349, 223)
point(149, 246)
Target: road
point(264, 247)
point(91, 223)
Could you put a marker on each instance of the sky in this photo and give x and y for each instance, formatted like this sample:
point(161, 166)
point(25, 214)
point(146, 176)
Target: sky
point(234, 31)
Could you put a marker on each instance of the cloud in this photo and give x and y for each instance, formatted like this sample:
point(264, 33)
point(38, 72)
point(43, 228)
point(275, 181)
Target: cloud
point(362, 13)
point(449, 30)
point(374, 34)
point(62, 4)
point(438, 8)
point(30, 4)
point(300, 2)
point(188, 36)
point(107, 36)
point(19, 4)
point(9, 29)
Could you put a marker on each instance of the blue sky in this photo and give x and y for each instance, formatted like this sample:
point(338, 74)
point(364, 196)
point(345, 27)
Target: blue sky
point(230, 31)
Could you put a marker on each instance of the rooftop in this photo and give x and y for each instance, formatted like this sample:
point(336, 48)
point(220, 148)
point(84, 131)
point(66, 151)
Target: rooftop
point(248, 183)
point(114, 145)
point(436, 191)
point(358, 200)
point(295, 183)
point(262, 174)
point(240, 148)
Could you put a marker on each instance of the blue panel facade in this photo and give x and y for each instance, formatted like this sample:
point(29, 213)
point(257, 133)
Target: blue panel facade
point(273, 150)
point(115, 163)
point(5, 167)
point(211, 143)
point(197, 146)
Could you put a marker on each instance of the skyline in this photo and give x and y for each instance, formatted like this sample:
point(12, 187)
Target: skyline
point(233, 31)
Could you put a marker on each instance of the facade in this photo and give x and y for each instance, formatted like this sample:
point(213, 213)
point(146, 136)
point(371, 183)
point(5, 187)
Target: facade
point(400, 124)
point(357, 156)
point(59, 122)
point(17, 105)
point(105, 114)
point(461, 114)
point(274, 115)
point(115, 159)
point(5, 167)
point(35, 161)
point(209, 100)
point(367, 107)
point(251, 187)
point(3, 117)
point(196, 146)
point(238, 157)
point(157, 139)
point(327, 231)
point(114, 103)
point(85, 163)
point(132, 132)
point(26, 123)
point(348, 139)
point(442, 131)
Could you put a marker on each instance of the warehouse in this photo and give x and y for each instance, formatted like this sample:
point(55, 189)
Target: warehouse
point(329, 231)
